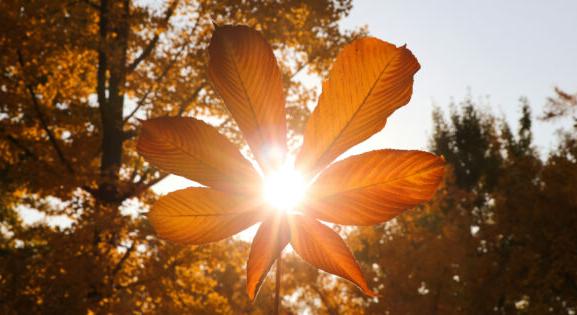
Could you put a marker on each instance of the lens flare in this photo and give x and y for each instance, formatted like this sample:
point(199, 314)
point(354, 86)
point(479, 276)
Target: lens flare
point(284, 189)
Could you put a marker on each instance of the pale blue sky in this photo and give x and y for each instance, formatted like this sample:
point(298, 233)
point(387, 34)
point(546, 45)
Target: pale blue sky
point(500, 49)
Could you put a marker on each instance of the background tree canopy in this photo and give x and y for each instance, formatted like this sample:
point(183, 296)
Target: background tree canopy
point(76, 77)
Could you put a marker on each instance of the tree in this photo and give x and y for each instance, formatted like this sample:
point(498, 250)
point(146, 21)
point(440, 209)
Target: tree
point(561, 105)
point(497, 239)
point(77, 76)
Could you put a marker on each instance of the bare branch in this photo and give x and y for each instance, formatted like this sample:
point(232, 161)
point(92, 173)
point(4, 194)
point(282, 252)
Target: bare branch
point(298, 70)
point(152, 44)
point(141, 187)
point(29, 153)
point(191, 98)
point(159, 80)
point(226, 121)
point(331, 309)
point(122, 260)
point(19, 145)
point(165, 71)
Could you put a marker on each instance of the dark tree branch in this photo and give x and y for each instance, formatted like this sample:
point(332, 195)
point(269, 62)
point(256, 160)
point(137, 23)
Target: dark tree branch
point(152, 44)
point(331, 309)
point(165, 71)
point(93, 192)
point(159, 80)
point(29, 153)
point(20, 146)
point(138, 106)
point(141, 186)
point(191, 98)
point(42, 118)
point(91, 4)
point(299, 69)
point(122, 260)
point(135, 171)
point(226, 121)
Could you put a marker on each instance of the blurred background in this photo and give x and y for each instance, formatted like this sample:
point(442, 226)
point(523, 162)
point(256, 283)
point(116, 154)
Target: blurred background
point(496, 96)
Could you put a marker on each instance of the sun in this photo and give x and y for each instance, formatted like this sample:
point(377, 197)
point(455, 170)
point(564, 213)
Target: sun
point(284, 189)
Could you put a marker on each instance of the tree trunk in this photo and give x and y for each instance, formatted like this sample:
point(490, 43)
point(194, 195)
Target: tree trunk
point(111, 79)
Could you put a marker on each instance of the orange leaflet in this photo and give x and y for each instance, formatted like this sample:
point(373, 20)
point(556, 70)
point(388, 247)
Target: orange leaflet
point(370, 80)
point(201, 215)
point(271, 238)
point(244, 71)
point(191, 148)
point(325, 249)
point(374, 187)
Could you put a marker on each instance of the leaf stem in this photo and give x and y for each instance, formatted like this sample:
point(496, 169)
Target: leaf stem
point(277, 286)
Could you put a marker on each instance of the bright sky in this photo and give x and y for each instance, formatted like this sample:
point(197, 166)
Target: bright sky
point(496, 49)
point(500, 50)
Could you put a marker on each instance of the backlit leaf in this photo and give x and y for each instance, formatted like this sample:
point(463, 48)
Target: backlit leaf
point(244, 71)
point(369, 80)
point(374, 187)
point(323, 248)
point(271, 238)
point(202, 215)
point(191, 148)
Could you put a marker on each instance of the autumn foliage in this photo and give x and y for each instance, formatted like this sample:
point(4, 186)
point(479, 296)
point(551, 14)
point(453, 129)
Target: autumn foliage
point(79, 77)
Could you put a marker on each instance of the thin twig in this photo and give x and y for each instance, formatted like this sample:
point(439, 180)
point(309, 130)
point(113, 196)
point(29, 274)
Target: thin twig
point(142, 187)
point(298, 70)
point(19, 145)
point(152, 44)
point(29, 153)
point(122, 260)
point(189, 99)
point(154, 85)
